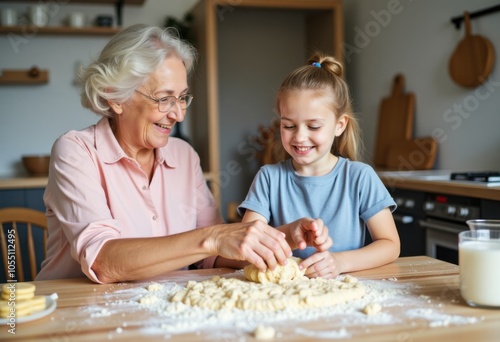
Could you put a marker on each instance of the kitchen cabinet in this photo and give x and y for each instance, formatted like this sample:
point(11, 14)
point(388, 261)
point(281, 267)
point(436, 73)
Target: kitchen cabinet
point(66, 30)
point(28, 198)
point(23, 192)
point(229, 37)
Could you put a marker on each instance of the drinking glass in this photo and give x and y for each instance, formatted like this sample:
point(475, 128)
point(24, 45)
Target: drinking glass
point(479, 263)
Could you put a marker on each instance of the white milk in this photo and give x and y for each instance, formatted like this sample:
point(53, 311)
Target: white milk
point(480, 272)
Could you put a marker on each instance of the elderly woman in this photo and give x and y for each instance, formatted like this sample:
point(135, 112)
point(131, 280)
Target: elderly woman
point(124, 200)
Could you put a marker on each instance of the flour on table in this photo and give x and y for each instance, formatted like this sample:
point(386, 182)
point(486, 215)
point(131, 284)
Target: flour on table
point(403, 305)
point(149, 299)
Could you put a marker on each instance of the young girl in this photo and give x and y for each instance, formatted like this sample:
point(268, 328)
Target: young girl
point(322, 178)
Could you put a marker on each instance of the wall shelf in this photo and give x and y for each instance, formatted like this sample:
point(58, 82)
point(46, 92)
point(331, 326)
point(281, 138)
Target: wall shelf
point(31, 76)
point(66, 30)
point(60, 30)
point(91, 2)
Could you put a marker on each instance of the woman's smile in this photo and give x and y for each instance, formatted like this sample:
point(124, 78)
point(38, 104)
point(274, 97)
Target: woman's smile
point(163, 128)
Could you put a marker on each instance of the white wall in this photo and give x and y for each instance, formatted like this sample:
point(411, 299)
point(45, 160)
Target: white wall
point(32, 117)
point(418, 41)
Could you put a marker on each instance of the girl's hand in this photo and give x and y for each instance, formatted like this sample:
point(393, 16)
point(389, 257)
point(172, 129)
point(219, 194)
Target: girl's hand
point(310, 232)
point(321, 264)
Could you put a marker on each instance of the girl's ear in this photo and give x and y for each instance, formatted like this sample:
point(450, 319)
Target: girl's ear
point(341, 124)
point(117, 107)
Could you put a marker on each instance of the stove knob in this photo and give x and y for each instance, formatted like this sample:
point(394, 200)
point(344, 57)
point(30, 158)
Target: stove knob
point(429, 206)
point(409, 204)
point(451, 210)
point(463, 212)
point(399, 201)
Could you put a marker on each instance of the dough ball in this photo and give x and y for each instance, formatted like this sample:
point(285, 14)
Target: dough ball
point(372, 309)
point(281, 273)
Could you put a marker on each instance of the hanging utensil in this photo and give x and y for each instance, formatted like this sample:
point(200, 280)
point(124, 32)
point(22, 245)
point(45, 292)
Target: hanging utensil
point(473, 59)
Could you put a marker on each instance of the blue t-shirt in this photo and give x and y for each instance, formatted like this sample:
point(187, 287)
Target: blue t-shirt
point(344, 199)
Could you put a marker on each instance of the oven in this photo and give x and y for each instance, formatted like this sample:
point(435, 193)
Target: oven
point(445, 217)
point(407, 217)
point(429, 223)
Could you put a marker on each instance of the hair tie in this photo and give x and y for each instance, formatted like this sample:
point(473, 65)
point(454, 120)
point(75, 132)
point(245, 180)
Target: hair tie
point(317, 64)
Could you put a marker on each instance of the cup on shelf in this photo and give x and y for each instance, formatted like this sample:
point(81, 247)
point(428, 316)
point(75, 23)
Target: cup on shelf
point(38, 15)
point(479, 257)
point(76, 19)
point(9, 17)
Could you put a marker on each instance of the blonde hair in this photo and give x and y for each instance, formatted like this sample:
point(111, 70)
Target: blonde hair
point(126, 61)
point(324, 73)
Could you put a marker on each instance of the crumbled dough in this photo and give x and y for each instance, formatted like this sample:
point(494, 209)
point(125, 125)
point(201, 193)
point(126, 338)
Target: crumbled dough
point(372, 309)
point(225, 293)
point(263, 332)
point(350, 279)
point(155, 287)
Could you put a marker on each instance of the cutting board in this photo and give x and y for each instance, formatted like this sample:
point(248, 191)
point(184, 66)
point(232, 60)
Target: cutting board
point(473, 59)
point(409, 155)
point(395, 120)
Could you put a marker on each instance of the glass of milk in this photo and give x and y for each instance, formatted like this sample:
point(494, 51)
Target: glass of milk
point(479, 262)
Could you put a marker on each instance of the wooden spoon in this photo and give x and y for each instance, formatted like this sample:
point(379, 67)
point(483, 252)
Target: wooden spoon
point(473, 59)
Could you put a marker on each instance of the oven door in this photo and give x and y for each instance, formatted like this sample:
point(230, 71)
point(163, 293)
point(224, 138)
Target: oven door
point(442, 239)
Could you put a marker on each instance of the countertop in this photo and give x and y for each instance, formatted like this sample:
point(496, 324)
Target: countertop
point(23, 182)
point(438, 181)
point(419, 296)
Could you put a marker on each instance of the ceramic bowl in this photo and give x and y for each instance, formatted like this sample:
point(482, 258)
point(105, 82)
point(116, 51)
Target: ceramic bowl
point(37, 165)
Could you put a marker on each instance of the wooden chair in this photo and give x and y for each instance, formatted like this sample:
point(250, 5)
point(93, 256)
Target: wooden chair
point(16, 224)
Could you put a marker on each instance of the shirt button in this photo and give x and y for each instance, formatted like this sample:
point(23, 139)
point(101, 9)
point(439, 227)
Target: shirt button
point(144, 187)
point(155, 217)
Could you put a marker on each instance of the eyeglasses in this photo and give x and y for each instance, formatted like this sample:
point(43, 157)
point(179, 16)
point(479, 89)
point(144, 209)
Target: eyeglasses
point(167, 102)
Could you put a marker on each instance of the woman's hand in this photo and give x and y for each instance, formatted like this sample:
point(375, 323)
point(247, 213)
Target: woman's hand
point(255, 242)
point(310, 232)
point(321, 264)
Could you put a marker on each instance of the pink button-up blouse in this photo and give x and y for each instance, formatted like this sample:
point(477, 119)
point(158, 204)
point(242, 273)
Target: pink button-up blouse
point(96, 193)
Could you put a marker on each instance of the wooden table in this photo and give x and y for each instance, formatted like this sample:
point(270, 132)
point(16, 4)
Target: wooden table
point(432, 283)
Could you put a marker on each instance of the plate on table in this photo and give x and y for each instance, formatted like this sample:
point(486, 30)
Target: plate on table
point(50, 306)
